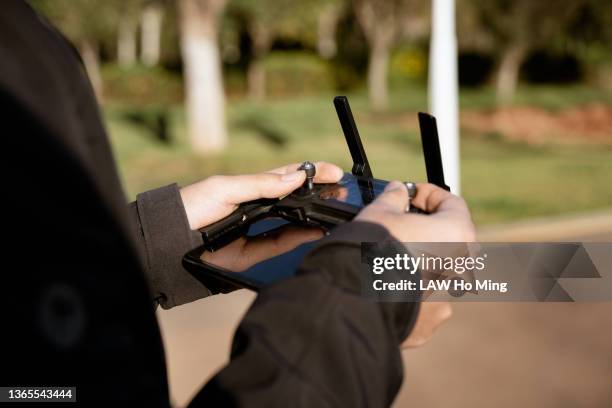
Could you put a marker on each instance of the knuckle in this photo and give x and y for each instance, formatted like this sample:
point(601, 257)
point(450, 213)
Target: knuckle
point(441, 195)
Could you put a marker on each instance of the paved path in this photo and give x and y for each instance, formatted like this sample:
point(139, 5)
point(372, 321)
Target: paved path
point(488, 355)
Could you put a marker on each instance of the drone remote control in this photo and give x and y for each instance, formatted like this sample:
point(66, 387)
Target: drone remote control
point(328, 205)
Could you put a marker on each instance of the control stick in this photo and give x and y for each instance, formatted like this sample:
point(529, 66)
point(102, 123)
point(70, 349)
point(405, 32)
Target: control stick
point(310, 170)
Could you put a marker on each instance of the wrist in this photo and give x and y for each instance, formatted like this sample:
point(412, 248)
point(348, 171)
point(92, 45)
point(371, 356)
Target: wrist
point(188, 198)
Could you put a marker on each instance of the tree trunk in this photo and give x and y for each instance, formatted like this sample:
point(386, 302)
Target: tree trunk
point(326, 31)
point(205, 98)
point(256, 80)
point(126, 42)
point(261, 42)
point(379, 22)
point(508, 73)
point(378, 87)
point(150, 37)
point(91, 60)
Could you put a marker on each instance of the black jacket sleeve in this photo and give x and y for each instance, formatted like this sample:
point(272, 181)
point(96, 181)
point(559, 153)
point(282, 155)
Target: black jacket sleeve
point(41, 73)
point(314, 340)
point(163, 236)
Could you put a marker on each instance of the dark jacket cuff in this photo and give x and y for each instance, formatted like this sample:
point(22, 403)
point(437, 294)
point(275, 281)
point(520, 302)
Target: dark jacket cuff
point(166, 237)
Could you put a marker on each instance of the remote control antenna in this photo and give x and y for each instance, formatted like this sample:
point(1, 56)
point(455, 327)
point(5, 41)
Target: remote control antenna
point(361, 167)
point(431, 150)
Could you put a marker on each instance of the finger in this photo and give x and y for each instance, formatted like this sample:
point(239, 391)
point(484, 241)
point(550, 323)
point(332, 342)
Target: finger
point(239, 189)
point(445, 207)
point(266, 247)
point(325, 172)
point(432, 199)
point(393, 198)
point(429, 197)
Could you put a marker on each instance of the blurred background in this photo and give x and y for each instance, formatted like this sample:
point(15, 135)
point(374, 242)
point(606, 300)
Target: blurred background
point(191, 88)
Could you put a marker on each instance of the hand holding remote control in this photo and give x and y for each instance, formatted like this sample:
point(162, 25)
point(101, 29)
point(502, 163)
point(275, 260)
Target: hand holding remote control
point(448, 218)
point(216, 197)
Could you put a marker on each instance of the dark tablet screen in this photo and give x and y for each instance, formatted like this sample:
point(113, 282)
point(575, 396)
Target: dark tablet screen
point(271, 251)
point(354, 191)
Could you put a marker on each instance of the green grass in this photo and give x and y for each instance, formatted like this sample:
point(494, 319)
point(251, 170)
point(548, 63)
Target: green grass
point(501, 180)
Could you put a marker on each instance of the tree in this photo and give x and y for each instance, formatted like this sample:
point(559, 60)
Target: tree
point(127, 29)
point(261, 31)
point(266, 20)
point(151, 14)
point(151, 21)
point(126, 41)
point(517, 28)
point(261, 20)
point(590, 40)
point(327, 24)
point(199, 23)
point(381, 21)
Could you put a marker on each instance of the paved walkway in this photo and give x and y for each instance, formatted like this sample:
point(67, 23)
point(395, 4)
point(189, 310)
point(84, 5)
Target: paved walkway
point(594, 226)
point(488, 355)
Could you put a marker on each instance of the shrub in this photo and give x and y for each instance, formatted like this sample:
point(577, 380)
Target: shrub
point(297, 73)
point(142, 86)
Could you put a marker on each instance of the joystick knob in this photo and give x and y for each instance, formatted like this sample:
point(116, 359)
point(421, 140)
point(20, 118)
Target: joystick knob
point(310, 170)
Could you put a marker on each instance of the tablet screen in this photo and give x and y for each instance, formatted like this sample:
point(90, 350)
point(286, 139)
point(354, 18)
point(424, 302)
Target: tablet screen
point(272, 250)
point(354, 191)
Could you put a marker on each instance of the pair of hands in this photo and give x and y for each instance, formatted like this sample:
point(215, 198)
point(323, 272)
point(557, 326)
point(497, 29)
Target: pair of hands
point(449, 220)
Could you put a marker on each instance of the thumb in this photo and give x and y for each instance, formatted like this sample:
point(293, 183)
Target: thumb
point(394, 197)
point(239, 189)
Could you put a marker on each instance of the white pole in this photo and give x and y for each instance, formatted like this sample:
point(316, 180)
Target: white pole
point(443, 87)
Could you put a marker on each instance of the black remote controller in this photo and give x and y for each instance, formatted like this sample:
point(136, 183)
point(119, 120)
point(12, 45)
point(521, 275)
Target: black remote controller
point(328, 205)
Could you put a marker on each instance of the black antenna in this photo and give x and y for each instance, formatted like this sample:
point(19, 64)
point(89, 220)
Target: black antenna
point(431, 150)
point(361, 167)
